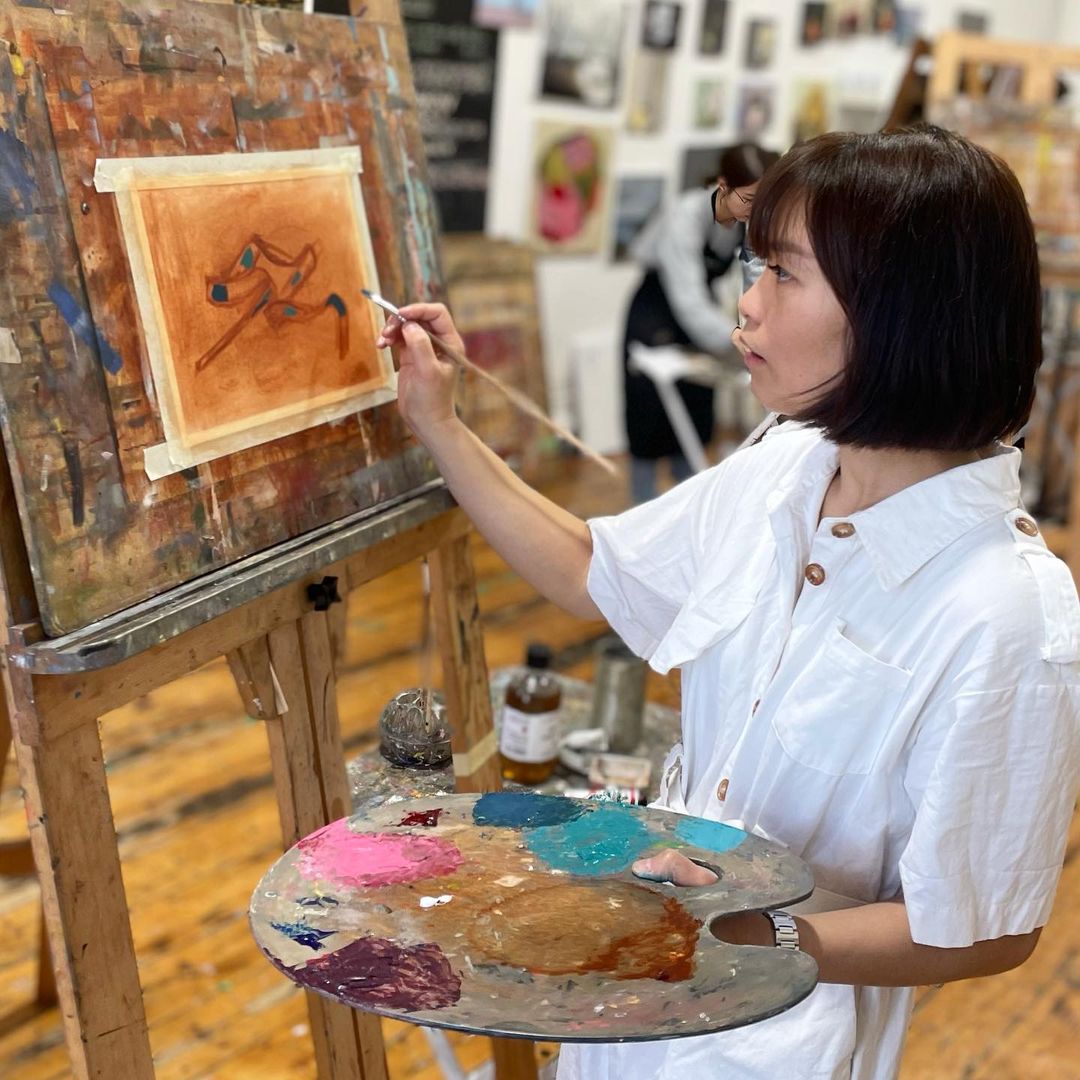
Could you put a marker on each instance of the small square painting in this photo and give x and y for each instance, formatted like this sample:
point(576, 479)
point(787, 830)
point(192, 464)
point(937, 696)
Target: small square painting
point(249, 287)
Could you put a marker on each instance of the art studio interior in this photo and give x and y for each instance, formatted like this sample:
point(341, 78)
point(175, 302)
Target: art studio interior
point(539, 539)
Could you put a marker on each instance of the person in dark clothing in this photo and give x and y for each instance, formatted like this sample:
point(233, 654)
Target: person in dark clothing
point(684, 251)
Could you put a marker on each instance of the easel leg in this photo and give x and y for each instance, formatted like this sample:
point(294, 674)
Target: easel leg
point(287, 679)
point(17, 860)
point(74, 841)
point(468, 702)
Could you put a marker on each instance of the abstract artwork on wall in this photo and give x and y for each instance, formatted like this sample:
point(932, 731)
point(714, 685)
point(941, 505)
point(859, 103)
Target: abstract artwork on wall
point(708, 103)
point(248, 270)
point(754, 110)
point(569, 210)
point(637, 199)
point(713, 27)
point(583, 50)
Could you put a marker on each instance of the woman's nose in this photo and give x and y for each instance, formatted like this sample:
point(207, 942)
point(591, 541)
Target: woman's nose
point(748, 304)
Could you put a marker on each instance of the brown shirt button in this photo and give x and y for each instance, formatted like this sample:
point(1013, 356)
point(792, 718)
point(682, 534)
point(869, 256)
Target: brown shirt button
point(815, 573)
point(1027, 526)
point(721, 791)
point(843, 529)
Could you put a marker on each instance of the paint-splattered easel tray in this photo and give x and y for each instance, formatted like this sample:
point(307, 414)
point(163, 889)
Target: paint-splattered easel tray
point(517, 914)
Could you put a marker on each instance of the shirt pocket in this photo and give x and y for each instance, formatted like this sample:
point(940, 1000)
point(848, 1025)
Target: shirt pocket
point(838, 710)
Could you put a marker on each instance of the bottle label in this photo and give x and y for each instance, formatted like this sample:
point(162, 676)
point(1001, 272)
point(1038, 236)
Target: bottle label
point(529, 737)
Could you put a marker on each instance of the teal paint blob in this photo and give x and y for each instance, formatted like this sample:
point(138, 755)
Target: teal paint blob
point(247, 260)
point(335, 301)
point(289, 311)
point(710, 835)
point(604, 840)
point(523, 810)
point(295, 279)
point(219, 293)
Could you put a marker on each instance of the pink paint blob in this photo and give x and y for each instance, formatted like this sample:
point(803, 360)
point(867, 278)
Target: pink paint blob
point(371, 860)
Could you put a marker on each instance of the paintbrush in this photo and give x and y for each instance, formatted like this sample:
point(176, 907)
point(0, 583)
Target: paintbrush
point(516, 397)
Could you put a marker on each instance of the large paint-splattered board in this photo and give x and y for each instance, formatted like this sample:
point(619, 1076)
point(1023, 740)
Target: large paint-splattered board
point(82, 81)
point(517, 914)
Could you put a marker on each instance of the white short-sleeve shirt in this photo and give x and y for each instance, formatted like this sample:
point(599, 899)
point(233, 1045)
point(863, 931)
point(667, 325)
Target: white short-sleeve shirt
point(894, 695)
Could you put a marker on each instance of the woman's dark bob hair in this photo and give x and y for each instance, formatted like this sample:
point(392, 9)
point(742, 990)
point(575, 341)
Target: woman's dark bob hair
point(927, 243)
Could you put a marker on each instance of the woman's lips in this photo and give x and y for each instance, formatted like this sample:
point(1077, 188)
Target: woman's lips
point(752, 358)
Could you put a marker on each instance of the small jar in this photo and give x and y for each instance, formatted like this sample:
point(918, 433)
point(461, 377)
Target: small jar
point(414, 733)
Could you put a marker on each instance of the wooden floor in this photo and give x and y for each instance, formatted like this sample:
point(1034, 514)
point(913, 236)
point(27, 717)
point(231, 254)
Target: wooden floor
point(195, 812)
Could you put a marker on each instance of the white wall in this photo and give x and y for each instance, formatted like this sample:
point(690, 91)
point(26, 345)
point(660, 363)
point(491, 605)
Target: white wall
point(588, 295)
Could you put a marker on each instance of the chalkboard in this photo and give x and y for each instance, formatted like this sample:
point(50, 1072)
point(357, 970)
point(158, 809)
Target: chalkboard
point(454, 75)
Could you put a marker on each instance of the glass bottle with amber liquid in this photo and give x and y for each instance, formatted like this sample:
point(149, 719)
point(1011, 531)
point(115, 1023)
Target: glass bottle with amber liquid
point(529, 739)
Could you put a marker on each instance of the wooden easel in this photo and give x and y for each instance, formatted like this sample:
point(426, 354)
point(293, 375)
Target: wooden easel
point(281, 653)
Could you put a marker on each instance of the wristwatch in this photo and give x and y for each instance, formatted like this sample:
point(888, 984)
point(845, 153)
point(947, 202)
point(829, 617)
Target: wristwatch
point(785, 929)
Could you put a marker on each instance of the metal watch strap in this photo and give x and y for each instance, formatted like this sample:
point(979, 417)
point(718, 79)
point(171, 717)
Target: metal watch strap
point(785, 929)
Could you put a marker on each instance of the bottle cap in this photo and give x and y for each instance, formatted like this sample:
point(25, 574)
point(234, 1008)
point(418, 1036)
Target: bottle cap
point(538, 656)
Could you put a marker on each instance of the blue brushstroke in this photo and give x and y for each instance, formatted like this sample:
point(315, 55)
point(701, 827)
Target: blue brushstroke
point(295, 279)
point(247, 260)
point(303, 934)
point(288, 311)
point(219, 293)
point(523, 810)
point(393, 83)
point(335, 301)
point(604, 841)
point(262, 303)
point(710, 835)
point(17, 187)
point(83, 327)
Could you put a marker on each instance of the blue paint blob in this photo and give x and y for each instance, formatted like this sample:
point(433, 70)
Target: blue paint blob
point(335, 301)
point(220, 293)
point(710, 835)
point(247, 260)
point(83, 327)
point(303, 934)
point(605, 840)
point(295, 279)
point(289, 311)
point(523, 810)
point(262, 303)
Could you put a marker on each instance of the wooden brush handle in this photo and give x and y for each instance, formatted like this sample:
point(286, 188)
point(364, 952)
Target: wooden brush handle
point(521, 401)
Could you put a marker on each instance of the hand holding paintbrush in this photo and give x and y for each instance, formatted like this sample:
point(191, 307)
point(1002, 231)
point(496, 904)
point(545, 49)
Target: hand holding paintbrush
point(435, 322)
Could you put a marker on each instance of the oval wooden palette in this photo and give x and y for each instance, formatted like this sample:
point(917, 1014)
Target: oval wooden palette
point(517, 914)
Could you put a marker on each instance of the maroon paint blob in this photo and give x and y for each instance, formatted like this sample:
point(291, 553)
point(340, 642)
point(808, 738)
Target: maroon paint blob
point(373, 972)
point(428, 818)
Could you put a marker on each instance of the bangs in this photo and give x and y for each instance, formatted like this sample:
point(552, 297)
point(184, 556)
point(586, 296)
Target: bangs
point(779, 203)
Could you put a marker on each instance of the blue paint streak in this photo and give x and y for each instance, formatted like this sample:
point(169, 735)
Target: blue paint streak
point(220, 293)
point(295, 279)
point(303, 934)
point(288, 311)
point(522, 810)
point(83, 327)
point(606, 840)
point(247, 260)
point(710, 835)
point(335, 301)
point(262, 303)
point(16, 178)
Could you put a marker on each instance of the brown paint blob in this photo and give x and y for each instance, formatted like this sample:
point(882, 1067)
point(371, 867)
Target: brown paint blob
point(616, 928)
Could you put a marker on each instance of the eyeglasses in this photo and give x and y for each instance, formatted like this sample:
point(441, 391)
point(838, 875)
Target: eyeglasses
point(724, 192)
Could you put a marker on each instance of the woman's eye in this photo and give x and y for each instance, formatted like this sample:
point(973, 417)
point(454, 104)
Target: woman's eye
point(779, 271)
